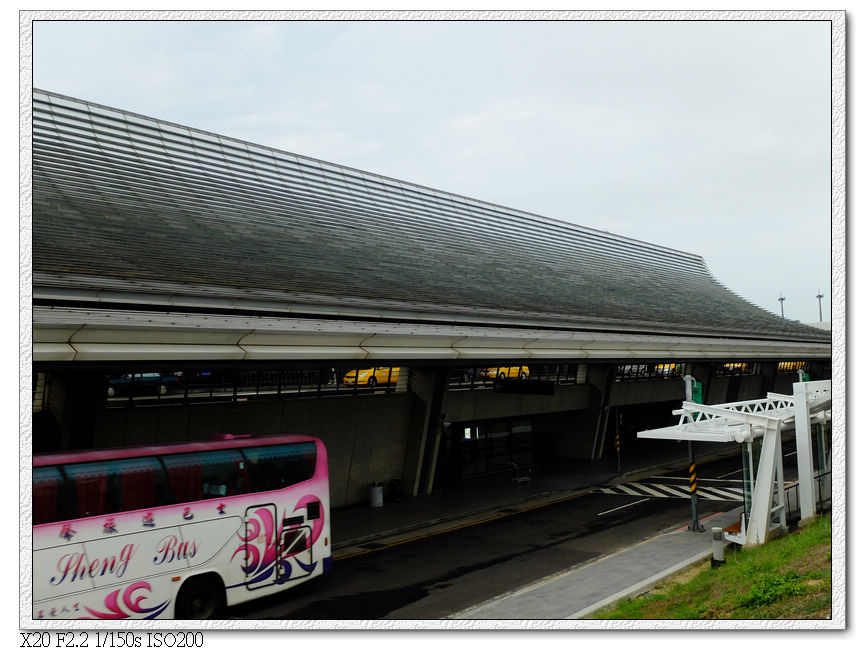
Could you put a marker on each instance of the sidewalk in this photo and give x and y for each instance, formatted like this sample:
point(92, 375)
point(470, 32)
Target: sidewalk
point(577, 593)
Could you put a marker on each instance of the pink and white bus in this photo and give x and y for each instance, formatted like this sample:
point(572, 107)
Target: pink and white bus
point(177, 531)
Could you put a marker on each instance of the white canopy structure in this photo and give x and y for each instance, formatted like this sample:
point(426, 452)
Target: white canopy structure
point(765, 419)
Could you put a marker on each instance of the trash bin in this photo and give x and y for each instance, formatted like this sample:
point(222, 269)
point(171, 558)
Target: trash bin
point(376, 494)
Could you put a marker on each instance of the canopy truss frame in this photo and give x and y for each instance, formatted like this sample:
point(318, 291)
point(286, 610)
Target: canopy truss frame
point(768, 418)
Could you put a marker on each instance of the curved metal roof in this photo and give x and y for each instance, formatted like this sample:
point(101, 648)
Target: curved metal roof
point(145, 208)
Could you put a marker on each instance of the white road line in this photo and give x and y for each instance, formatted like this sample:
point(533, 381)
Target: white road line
point(738, 471)
point(627, 505)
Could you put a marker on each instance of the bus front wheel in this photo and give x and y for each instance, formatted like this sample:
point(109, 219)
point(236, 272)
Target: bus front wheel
point(200, 598)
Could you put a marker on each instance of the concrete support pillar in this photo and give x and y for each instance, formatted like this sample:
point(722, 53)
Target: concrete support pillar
point(425, 428)
point(601, 379)
point(75, 402)
point(768, 374)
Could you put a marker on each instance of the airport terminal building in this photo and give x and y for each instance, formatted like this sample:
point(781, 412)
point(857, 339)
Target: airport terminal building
point(187, 285)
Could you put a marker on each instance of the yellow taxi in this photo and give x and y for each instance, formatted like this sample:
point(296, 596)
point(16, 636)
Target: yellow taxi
point(371, 376)
point(513, 372)
point(669, 369)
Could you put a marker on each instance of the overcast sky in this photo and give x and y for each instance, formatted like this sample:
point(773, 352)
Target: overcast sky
point(706, 137)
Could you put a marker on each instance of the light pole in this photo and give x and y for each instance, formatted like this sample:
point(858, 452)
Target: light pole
point(781, 299)
point(820, 304)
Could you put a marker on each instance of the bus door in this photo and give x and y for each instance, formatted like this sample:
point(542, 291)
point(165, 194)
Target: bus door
point(260, 561)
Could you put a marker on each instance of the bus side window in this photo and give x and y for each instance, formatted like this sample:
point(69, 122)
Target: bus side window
point(91, 488)
point(184, 476)
point(138, 478)
point(46, 495)
point(206, 475)
point(276, 467)
point(224, 474)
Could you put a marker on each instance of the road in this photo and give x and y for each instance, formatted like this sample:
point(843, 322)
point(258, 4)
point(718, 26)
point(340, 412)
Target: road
point(434, 577)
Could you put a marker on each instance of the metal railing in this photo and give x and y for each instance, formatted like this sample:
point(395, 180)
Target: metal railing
point(192, 385)
point(651, 371)
point(822, 492)
point(736, 368)
point(480, 377)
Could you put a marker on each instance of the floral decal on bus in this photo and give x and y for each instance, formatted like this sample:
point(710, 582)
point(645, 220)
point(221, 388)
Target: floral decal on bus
point(260, 563)
point(133, 607)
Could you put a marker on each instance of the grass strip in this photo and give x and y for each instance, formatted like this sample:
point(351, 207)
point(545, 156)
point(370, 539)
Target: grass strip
point(786, 578)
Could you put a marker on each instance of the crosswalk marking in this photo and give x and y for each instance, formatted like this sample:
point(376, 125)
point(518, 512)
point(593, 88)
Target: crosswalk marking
point(645, 487)
point(624, 489)
point(728, 493)
point(674, 491)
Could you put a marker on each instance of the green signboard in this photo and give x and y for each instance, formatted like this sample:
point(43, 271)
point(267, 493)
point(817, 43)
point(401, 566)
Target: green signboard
point(697, 392)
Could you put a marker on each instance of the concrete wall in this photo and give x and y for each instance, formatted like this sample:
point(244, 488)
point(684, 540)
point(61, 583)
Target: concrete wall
point(749, 387)
point(715, 389)
point(469, 405)
point(365, 435)
point(577, 436)
point(647, 392)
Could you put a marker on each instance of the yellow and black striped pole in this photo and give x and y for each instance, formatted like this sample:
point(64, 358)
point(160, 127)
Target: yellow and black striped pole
point(692, 482)
point(693, 478)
